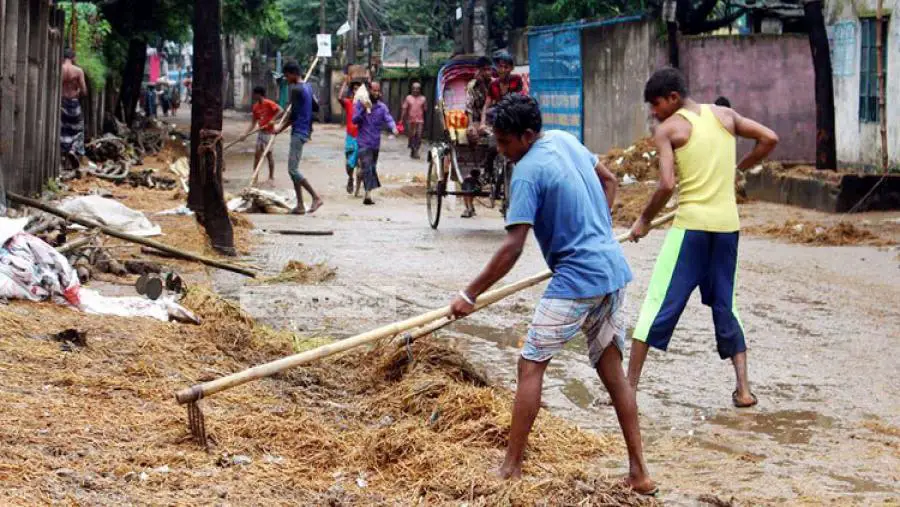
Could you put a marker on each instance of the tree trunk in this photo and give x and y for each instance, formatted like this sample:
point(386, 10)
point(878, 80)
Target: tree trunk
point(132, 78)
point(672, 36)
point(879, 49)
point(325, 78)
point(826, 149)
point(519, 15)
point(206, 196)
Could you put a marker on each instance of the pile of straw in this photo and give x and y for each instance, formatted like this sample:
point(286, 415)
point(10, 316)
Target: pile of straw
point(302, 273)
point(100, 425)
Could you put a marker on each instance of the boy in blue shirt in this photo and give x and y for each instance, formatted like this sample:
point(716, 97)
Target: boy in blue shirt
point(564, 193)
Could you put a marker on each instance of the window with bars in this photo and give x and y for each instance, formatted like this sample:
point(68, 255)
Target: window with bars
point(868, 68)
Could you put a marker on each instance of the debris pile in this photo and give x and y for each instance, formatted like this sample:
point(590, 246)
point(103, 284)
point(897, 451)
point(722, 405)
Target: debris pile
point(639, 161)
point(840, 234)
point(254, 200)
point(362, 428)
point(302, 273)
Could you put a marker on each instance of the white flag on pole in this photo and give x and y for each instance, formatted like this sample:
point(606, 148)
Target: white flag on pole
point(343, 29)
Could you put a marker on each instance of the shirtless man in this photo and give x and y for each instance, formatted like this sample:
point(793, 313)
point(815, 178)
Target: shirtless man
point(698, 143)
point(73, 88)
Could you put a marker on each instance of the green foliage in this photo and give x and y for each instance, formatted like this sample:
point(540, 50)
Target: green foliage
point(302, 19)
point(544, 12)
point(91, 32)
point(265, 20)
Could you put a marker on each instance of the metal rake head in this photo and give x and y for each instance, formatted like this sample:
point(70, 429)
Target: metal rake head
point(197, 424)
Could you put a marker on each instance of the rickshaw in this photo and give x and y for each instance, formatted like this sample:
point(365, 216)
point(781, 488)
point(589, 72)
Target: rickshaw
point(453, 156)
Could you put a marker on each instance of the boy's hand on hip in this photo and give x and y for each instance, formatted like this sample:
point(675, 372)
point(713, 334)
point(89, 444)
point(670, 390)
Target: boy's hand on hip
point(460, 307)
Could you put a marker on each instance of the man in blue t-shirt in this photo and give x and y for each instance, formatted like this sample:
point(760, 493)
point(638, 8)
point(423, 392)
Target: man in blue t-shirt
point(301, 128)
point(564, 193)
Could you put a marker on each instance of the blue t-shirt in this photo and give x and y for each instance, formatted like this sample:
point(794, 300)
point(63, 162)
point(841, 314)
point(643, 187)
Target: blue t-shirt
point(556, 190)
point(301, 112)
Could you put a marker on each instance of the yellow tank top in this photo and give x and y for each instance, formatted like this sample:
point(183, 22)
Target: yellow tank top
point(706, 170)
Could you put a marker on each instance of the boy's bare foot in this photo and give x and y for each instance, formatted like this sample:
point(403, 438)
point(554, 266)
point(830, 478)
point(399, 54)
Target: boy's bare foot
point(509, 472)
point(641, 485)
point(316, 204)
point(298, 211)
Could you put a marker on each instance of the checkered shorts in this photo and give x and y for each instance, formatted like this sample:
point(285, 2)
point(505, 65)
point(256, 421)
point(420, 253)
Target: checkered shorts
point(556, 321)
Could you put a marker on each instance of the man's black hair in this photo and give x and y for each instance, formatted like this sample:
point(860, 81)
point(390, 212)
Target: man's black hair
point(69, 54)
point(260, 90)
point(291, 68)
point(723, 101)
point(504, 57)
point(516, 113)
point(664, 82)
point(484, 61)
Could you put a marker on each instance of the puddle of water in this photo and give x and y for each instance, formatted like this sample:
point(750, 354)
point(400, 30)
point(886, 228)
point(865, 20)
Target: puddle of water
point(578, 393)
point(783, 426)
point(503, 337)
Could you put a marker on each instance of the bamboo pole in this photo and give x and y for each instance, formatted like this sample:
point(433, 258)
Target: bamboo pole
point(882, 113)
point(441, 315)
point(262, 158)
point(128, 237)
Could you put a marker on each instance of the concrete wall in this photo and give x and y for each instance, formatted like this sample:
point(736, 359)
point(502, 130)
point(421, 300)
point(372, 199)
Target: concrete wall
point(616, 62)
point(859, 143)
point(768, 78)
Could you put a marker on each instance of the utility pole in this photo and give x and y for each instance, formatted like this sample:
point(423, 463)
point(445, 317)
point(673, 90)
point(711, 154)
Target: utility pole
point(879, 49)
point(325, 77)
point(352, 16)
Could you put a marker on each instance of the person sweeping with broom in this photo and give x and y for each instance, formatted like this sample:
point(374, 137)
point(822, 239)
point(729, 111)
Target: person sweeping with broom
point(564, 193)
point(701, 248)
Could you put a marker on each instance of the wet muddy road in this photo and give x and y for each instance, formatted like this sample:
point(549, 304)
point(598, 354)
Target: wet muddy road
point(823, 325)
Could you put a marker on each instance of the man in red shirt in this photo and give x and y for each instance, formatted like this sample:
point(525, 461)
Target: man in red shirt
point(504, 84)
point(264, 113)
point(351, 148)
point(413, 113)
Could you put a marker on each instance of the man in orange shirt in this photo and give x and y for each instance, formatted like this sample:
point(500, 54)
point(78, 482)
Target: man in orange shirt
point(264, 113)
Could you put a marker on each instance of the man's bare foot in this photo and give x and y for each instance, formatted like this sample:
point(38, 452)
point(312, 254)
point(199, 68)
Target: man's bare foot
point(743, 400)
point(641, 485)
point(316, 204)
point(509, 472)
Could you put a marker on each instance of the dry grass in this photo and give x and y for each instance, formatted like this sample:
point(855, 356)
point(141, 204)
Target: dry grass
point(302, 273)
point(100, 425)
point(639, 160)
point(630, 202)
point(840, 234)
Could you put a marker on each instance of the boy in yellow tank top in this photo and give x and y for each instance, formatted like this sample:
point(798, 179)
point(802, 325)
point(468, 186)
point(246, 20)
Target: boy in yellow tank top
point(700, 250)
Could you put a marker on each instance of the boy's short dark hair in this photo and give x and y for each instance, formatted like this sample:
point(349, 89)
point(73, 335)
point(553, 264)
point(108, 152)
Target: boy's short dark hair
point(291, 68)
point(516, 113)
point(484, 61)
point(261, 90)
point(664, 82)
point(723, 101)
point(69, 54)
point(504, 57)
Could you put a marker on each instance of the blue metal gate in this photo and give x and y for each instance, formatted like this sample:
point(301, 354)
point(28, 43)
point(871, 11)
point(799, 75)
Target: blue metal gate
point(554, 62)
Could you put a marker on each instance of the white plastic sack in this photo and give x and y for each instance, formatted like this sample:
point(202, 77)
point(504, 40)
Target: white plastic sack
point(111, 213)
point(162, 309)
point(9, 227)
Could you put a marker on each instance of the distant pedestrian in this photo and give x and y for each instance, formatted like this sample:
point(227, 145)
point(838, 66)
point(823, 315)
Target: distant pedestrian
point(264, 113)
point(163, 93)
point(413, 114)
point(150, 104)
point(72, 121)
point(351, 147)
point(370, 124)
point(301, 128)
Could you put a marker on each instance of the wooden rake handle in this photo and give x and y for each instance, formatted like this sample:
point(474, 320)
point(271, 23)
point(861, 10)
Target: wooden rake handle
point(194, 393)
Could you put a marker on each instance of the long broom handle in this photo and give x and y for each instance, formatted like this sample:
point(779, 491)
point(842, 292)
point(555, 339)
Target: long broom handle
point(262, 158)
point(206, 389)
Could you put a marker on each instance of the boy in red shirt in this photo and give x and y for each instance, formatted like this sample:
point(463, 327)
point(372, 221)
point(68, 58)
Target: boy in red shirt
point(351, 148)
point(264, 113)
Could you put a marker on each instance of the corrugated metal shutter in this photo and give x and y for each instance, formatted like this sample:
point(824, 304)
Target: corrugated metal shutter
point(554, 57)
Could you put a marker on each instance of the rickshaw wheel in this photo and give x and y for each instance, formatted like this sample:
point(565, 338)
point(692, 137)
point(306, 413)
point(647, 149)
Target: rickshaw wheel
point(435, 188)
